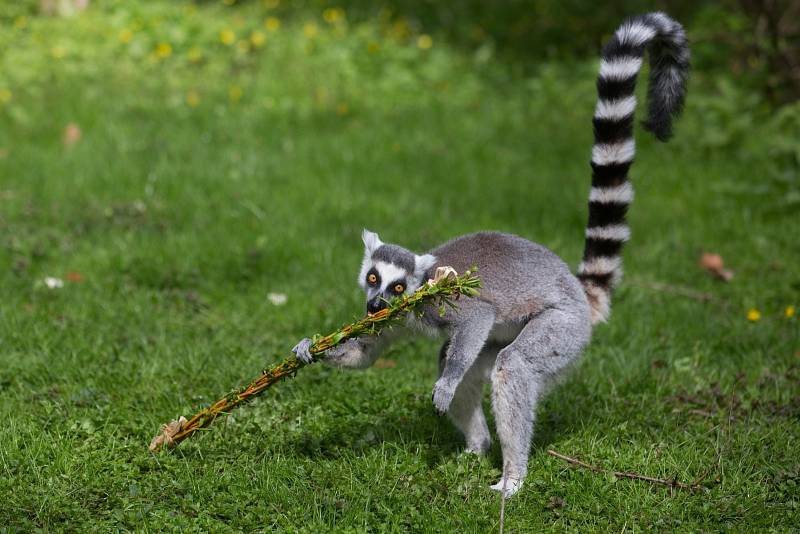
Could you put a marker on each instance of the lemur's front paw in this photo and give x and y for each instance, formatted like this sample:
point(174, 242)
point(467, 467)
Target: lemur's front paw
point(443, 393)
point(301, 350)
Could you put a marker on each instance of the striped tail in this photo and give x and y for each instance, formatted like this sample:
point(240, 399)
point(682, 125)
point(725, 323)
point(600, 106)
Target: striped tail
point(614, 148)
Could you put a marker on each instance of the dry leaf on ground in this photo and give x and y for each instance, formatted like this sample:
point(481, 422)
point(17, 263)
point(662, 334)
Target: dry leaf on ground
point(74, 276)
point(714, 264)
point(72, 134)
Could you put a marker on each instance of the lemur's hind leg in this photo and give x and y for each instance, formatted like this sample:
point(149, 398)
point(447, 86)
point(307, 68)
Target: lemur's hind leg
point(466, 410)
point(547, 344)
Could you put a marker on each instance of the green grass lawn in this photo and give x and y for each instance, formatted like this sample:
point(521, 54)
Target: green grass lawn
point(225, 156)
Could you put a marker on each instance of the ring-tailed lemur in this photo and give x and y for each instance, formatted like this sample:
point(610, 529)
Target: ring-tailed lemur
point(533, 316)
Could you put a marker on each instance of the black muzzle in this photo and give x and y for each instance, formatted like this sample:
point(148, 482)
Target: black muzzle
point(375, 305)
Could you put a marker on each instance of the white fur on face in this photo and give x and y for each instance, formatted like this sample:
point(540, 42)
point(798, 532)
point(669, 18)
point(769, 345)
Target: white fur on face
point(389, 273)
point(366, 265)
point(371, 242)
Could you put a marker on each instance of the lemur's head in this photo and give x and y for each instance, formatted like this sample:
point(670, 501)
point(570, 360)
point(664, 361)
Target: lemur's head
point(389, 271)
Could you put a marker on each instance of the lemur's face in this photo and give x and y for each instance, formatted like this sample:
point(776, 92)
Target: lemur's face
point(389, 271)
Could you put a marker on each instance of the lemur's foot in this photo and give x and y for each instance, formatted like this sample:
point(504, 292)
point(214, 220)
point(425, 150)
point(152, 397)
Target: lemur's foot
point(513, 485)
point(479, 448)
point(301, 350)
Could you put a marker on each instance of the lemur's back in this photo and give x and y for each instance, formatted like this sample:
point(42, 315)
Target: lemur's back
point(520, 278)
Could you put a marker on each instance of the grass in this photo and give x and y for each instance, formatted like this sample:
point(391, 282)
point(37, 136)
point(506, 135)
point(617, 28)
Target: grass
point(179, 215)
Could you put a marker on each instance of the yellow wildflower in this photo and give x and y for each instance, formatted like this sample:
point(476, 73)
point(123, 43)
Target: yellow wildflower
point(227, 37)
point(310, 30)
point(400, 29)
point(5, 96)
point(194, 54)
point(753, 315)
point(258, 39)
point(20, 22)
point(163, 50)
point(424, 41)
point(332, 15)
point(125, 36)
point(234, 93)
point(789, 311)
point(58, 52)
point(272, 24)
point(192, 98)
point(478, 33)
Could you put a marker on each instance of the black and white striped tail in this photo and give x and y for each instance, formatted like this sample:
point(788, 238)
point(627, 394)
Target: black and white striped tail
point(614, 148)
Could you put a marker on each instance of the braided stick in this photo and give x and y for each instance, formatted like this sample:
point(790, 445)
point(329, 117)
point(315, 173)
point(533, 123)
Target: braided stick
point(441, 290)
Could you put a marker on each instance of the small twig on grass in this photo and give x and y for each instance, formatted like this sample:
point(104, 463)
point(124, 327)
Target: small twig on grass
point(446, 286)
point(704, 474)
point(676, 290)
point(672, 484)
point(503, 500)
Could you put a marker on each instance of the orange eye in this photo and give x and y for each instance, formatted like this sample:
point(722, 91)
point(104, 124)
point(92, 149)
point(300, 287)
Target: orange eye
point(399, 288)
point(372, 278)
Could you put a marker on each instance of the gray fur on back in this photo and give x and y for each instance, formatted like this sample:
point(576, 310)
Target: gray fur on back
point(520, 278)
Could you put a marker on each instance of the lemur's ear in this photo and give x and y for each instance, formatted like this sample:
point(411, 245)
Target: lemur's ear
point(371, 240)
point(422, 264)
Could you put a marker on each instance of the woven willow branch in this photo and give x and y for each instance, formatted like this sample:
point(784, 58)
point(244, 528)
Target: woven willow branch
point(445, 287)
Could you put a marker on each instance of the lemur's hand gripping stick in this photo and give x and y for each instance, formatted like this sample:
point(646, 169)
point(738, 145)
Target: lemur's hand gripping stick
point(445, 287)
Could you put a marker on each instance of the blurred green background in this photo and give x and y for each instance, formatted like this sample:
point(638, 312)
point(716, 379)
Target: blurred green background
point(182, 191)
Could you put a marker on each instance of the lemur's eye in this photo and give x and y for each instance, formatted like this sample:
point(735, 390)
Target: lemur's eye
point(399, 288)
point(372, 278)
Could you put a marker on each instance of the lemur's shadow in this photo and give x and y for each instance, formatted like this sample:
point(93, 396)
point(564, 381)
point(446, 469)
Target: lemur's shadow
point(419, 429)
point(434, 437)
point(410, 424)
